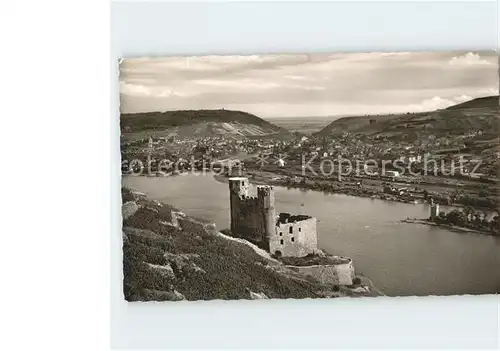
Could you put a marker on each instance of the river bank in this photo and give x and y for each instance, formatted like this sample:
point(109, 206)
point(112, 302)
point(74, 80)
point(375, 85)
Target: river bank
point(389, 190)
point(170, 256)
point(358, 187)
point(448, 226)
point(260, 179)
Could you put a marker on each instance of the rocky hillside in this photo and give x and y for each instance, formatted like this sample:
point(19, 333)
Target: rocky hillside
point(200, 123)
point(168, 256)
point(477, 114)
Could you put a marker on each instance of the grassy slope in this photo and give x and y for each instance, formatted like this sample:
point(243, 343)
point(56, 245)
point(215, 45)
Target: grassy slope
point(230, 267)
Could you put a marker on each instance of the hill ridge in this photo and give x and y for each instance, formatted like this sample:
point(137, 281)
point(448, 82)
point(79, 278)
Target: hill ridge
point(199, 122)
point(479, 113)
point(485, 101)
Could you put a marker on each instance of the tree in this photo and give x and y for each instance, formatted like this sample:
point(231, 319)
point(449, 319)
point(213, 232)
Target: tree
point(469, 212)
point(476, 219)
point(456, 217)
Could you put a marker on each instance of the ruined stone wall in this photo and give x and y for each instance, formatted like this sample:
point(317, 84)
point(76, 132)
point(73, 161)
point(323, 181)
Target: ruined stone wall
point(339, 274)
point(345, 273)
point(294, 239)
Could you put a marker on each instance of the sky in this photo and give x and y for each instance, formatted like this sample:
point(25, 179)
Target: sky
point(272, 86)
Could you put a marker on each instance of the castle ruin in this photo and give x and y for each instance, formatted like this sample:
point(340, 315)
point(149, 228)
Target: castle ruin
point(254, 218)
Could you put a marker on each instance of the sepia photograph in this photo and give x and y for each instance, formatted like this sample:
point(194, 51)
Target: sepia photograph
point(320, 175)
point(328, 170)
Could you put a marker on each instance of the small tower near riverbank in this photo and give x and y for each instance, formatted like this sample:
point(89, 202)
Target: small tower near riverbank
point(434, 210)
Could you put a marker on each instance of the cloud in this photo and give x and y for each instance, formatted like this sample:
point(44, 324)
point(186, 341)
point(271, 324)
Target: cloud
point(469, 59)
point(243, 84)
point(315, 84)
point(212, 64)
point(134, 89)
point(434, 103)
point(488, 91)
point(438, 102)
point(389, 54)
point(151, 91)
point(463, 98)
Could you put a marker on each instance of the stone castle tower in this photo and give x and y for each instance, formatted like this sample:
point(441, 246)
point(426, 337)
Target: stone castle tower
point(434, 210)
point(252, 217)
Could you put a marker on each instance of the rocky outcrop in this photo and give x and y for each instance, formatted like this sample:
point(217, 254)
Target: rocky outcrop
point(183, 264)
point(145, 236)
point(129, 209)
point(165, 270)
point(176, 215)
point(197, 227)
point(160, 295)
point(139, 195)
point(257, 296)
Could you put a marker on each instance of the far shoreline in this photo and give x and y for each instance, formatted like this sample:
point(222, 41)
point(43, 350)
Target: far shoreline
point(268, 180)
point(262, 180)
point(456, 229)
point(265, 179)
point(453, 228)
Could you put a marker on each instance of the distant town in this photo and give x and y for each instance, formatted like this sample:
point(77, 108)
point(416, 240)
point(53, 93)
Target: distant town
point(452, 168)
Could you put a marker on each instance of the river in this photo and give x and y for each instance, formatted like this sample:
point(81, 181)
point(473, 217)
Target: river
point(401, 259)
